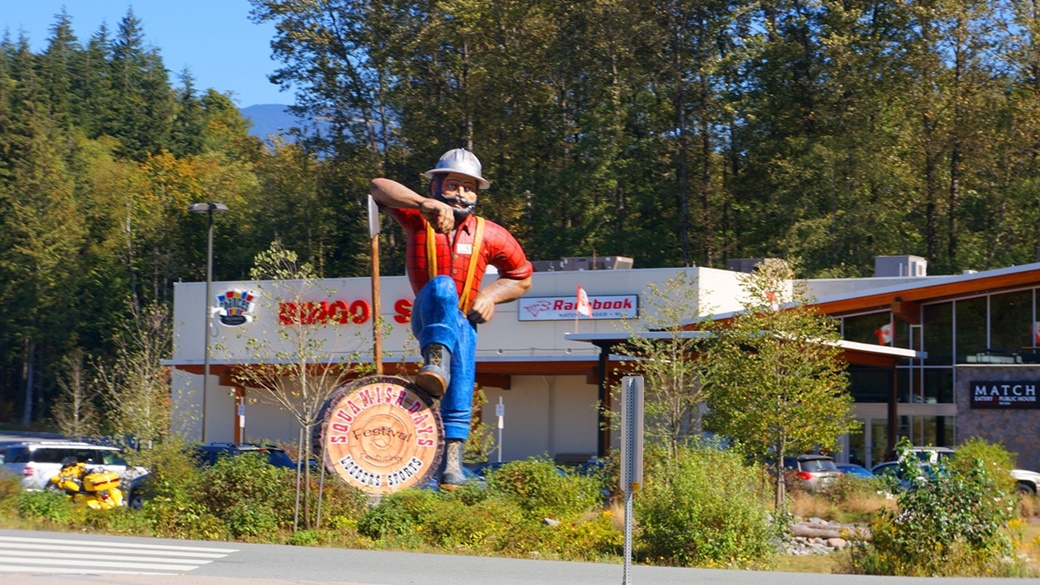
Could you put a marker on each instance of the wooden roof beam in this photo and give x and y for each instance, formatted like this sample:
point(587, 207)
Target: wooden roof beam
point(907, 311)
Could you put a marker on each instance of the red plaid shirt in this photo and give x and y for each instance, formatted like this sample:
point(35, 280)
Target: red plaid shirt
point(499, 249)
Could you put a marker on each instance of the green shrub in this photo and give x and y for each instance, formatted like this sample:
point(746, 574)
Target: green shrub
point(237, 484)
point(341, 504)
point(952, 524)
point(10, 488)
point(997, 460)
point(44, 506)
point(251, 519)
point(398, 515)
point(115, 521)
point(174, 507)
point(703, 508)
point(593, 539)
point(539, 487)
point(314, 538)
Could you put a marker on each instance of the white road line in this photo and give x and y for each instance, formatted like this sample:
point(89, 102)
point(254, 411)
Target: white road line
point(86, 545)
point(74, 565)
point(117, 544)
point(96, 557)
point(51, 571)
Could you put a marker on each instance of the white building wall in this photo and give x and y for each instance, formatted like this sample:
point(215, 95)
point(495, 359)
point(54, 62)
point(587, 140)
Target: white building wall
point(544, 415)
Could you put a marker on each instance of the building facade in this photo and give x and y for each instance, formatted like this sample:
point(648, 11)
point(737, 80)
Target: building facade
point(935, 358)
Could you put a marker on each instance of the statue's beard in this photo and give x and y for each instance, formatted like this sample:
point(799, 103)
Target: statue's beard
point(460, 214)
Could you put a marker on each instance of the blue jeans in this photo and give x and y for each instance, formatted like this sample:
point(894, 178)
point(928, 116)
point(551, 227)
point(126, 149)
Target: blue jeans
point(436, 318)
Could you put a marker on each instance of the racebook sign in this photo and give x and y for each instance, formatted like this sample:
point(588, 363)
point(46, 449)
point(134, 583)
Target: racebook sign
point(565, 308)
point(1004, 394)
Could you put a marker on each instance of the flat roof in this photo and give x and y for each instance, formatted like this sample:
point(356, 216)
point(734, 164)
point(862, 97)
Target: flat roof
point(849, 346)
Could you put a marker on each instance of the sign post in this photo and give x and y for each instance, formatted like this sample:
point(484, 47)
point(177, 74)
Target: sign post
point(631, 456)
point(500, 412)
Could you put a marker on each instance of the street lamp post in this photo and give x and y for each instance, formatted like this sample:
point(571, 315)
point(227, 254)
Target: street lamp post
point(208, 209)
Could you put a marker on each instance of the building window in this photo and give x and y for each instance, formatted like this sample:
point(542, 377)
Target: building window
point(937, 386)
point(869, 384)
point(864, 328)
point(928, 430)
point(971, 325)
point(938, 333)
point(1011, 322)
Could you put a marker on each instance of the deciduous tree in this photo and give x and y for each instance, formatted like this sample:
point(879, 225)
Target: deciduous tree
point(303, 361)
point(776, 385)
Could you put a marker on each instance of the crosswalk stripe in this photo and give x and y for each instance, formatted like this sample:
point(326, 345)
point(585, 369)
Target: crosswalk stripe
point(84, 544)
point(74, 564)
point(115, 544)
point(95, 557)
point(41, 569)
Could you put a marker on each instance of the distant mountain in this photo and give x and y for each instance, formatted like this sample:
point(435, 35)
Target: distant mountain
point(275, 119)
point(270, 119)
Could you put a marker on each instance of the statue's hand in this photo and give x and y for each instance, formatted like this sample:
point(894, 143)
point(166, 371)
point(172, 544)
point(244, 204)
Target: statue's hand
point(439, 215)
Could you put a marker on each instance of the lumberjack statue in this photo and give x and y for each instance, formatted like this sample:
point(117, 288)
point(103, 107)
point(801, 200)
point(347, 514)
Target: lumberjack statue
point(448, 251)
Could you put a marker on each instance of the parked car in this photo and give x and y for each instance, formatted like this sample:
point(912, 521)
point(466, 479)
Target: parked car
point(857, 471)
point(1026, 481)
point(207, 454)
point(815, 472)
point(930, 455)
point(890, 473)
point(37, 461)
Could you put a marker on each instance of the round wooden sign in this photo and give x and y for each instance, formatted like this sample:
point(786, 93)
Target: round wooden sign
point(382, 434)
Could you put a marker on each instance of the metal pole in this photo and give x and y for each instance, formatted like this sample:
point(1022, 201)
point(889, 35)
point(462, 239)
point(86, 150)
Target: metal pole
point(626, 578)
point(205, 329)
point(208, 209)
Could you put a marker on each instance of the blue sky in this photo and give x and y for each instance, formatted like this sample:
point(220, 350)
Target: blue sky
point(213, 38)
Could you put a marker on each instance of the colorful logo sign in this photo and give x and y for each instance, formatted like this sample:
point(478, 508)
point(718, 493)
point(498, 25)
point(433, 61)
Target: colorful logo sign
point(566, 308)
point(237, 307)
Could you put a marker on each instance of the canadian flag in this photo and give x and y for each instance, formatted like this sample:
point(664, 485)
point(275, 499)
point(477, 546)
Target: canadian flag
point(884, 334)
point(584, 307)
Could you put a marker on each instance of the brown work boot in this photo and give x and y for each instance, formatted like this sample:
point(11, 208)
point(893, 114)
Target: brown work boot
point(435, 376)
point(452, 477)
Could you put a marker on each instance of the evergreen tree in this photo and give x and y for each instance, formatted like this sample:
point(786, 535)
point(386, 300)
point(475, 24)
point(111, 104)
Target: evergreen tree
point(92, 84)
point(56, 70)
point(142, 107)
point(189, 123)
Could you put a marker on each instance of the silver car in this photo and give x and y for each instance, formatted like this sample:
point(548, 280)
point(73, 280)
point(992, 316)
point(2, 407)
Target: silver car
point(814, 472)
point(37, 461)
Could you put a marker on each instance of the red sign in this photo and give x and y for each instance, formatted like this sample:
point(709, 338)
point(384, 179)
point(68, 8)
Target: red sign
point(341, 312)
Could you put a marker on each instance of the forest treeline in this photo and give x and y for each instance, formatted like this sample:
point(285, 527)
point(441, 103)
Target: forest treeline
point(677, 132)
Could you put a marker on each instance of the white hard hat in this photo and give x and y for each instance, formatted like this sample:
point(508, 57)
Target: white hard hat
point(462, 161)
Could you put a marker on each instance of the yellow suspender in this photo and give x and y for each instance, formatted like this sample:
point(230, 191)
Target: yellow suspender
point(431, 260)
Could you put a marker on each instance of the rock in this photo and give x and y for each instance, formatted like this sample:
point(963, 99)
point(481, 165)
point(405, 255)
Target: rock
point(550, 522)
point(817, 536)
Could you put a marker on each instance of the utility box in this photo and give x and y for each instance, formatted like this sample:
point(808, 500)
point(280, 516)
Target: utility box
point(746, 265)
point(900, 266)
point(578, 263)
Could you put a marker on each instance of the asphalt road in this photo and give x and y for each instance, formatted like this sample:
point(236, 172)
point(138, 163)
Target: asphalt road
point(54, 558)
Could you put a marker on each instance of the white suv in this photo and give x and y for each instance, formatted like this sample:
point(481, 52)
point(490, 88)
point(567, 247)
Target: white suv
point(37, 461)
